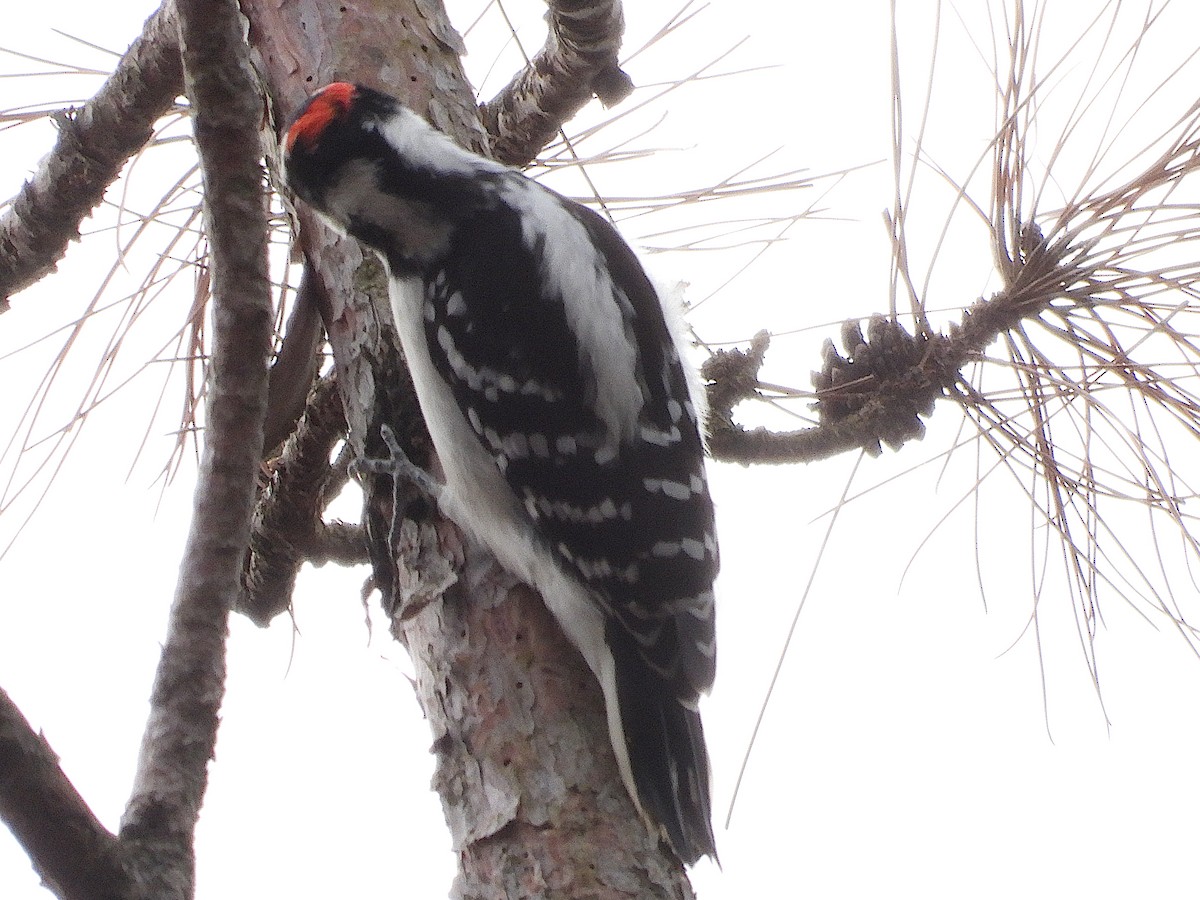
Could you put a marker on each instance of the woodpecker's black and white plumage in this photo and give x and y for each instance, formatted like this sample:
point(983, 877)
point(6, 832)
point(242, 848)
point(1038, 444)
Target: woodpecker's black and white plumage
point(550, 376)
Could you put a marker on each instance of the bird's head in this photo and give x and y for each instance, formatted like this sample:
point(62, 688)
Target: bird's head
point(377, 171)
point(334, 147)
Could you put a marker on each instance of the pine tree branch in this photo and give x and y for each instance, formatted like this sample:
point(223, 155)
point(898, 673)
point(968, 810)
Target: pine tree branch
point(287, 519)
point(181, 729)
point(343, 543)
point(497, 641)
point(295, 367)
point(888, 380)
point(94, 142)
point(579, 61)
point(75, 856)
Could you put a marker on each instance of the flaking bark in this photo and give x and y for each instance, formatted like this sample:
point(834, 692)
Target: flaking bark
point(531, 792)
point(484, 649)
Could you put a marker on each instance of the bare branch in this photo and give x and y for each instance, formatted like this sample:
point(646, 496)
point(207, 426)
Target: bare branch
point(295, 365)
point(94, 142)
point(876, 395)
point(287, 519)
point(578, 62)
point(76, 856)
point(181, 729)
point(889, 379)
point(343, 543)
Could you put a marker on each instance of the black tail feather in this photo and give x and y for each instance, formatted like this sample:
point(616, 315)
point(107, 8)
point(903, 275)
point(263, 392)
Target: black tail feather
point(665, 741)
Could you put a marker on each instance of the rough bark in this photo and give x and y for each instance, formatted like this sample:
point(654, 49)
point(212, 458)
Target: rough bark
point(73, 854)
point(154, 855)
point(535, 805)
point(160, 818)
point(578, 62)
point(288, 514)
point(530, 794)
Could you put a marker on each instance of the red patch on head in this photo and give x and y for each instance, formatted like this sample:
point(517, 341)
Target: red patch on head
point(325, 107)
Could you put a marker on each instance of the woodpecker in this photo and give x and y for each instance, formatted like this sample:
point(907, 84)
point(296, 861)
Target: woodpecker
point(552, 379)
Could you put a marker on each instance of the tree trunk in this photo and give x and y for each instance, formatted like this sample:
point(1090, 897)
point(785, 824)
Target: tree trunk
point(525, 769)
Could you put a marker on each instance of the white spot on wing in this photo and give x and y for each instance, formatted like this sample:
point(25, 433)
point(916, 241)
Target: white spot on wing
point(516, 445)
point(652, 435)
point(700, 606)
point(485, 379)
point(673, 489)
point(708, 648)
point(649, 639)
point(601, 568)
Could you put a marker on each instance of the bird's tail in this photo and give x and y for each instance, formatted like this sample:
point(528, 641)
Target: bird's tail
point(667, 760)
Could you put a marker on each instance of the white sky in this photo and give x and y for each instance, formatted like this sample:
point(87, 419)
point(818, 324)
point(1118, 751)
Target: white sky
point(904, 753)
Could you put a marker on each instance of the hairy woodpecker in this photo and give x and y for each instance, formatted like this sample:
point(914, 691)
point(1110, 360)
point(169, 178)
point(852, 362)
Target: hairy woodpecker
point(568, 429)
